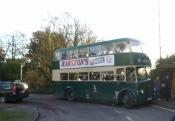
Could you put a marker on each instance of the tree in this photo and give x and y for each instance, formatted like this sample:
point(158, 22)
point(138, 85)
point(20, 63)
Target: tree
point(40, 53)
point(2, 54)
point(1, 61)
point(164, 66)
point(14, 45)
point(61, 33)
point(12, 69)
point(74, 32)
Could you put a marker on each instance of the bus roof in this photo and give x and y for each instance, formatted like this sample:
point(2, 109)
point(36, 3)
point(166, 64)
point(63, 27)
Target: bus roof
point(99, 43)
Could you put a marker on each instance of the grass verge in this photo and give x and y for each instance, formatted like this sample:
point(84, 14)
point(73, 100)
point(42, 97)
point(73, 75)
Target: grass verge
point(16, 115)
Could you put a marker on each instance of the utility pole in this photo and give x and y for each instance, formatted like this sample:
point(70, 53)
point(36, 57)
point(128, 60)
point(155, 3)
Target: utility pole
point(159, 30)
point(13, 49)
point(21, 72)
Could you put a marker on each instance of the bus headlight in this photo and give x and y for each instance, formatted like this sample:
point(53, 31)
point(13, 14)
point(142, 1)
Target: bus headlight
point(142, 91)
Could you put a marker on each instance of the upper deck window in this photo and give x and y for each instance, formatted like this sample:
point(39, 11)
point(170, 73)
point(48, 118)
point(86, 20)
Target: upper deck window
point(75, 54)
point(121, 47)
point(107, 49)
point(95, 50)
point(57, 55)
point(64, 55)
point(136, 46)
point(83, 52)
point(72, 54)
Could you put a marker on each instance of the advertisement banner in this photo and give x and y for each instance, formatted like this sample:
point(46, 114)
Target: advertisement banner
point(101, 61)
point(88, 62)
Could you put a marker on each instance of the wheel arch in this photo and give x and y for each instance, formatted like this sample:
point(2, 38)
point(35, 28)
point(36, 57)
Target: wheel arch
point(69, 94)
point(122, 92)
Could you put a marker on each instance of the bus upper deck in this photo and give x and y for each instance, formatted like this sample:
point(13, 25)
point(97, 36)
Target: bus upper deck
point(123, 45)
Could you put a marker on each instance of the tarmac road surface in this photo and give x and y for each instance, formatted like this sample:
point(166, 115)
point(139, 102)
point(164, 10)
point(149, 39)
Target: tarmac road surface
point(52, 109)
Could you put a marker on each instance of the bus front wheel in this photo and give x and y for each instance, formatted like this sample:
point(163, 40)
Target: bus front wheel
point(128, 100)
point(70, 95)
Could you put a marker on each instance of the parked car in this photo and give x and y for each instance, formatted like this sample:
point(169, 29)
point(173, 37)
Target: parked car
point(13, 91)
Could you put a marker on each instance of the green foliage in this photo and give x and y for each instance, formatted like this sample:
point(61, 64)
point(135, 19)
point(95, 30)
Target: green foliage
point(163, 67)
point(154, 73)
point(2, 54)
point(37, 82)
point(38, 67)
point(41, 52)
point(16, 115)
point(10, 70)
point(167, 60)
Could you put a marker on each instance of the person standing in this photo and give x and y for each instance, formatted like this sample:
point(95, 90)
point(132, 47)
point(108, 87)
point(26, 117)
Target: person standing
point(157, 86)
point(167, 88)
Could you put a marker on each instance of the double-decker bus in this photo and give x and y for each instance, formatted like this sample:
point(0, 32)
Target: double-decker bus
point(109, 71)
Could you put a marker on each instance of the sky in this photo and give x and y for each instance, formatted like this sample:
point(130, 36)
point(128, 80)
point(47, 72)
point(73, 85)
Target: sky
point(109, 19)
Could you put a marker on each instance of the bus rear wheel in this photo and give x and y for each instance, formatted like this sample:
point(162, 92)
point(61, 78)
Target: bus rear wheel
point(128, 100)
point(70, 95)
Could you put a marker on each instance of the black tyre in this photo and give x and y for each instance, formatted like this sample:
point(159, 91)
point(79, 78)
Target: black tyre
point(19, 100)
point(128, 100)
point(70, 95)
point(2, 99)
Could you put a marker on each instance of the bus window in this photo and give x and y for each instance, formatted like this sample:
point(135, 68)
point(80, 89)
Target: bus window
point(120, 74)
point(64, 76)
point(94, 75)
point(70, 54)
point(72, 76)
point(64, 55)
point(130, 74)
point(108, 75)
point(107, 49)
point(143, 73)
point(136, 46)
point(57, 55)
point(75, 54)
point(95, 50)
point(121, 47)
point(83, 52)
point(83, 75)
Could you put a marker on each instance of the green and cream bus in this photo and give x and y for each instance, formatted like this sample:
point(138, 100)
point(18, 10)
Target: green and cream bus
point(109, 71)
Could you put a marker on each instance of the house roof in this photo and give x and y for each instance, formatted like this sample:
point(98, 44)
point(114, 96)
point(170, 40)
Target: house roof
point(166, 66)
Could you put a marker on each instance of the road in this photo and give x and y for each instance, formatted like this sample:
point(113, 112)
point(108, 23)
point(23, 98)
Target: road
point(52, 109)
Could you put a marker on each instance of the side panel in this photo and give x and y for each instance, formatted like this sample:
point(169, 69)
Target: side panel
point(95, 90)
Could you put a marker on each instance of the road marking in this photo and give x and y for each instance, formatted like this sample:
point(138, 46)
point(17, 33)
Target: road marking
point(116, 111)
point(129, 118)
point(171, 110)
